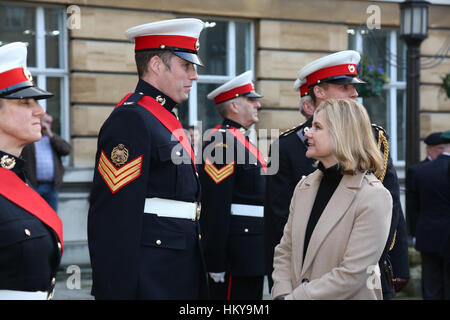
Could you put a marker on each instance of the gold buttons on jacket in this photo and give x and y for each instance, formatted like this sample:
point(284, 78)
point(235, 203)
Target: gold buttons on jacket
point(27, 232)
point(158, 242)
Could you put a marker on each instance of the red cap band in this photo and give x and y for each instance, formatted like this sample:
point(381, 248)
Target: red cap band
point(12, 77)
point(303, 90)
point(233, 93)
point(162, 41)
point(343, 69)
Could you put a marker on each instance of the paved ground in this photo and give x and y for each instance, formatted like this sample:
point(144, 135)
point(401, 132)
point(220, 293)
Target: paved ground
point(75, 284)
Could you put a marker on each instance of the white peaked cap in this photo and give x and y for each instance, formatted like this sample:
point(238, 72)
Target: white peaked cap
point(16, 81)
point(240, 86)
point(181, 36)
point(339, 67)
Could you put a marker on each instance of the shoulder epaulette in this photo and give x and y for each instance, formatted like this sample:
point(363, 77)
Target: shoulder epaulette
point(378, 128)
point(291, 130)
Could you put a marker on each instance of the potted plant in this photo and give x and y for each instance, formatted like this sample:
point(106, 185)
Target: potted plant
point(446, 84)
point(375, 78)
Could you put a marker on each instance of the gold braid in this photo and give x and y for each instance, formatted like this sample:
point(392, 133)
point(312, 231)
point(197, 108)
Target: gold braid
point(382, 139)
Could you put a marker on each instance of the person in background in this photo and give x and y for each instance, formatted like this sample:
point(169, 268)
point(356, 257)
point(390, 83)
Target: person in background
point(31, 240)
point(434, 148)
point(43, 163)
point(430, 203)
point(195, 137)
point(340, 214)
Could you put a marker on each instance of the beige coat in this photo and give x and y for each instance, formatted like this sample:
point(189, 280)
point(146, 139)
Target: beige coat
point(342, 257)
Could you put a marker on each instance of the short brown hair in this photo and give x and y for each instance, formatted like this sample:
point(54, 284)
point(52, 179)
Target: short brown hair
point(311, 90)
point(143, 57)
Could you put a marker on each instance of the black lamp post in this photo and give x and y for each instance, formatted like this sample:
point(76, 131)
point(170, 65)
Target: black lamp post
point(413, 30)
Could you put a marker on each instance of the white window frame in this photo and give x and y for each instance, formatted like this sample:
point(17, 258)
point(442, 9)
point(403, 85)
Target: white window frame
point(231, 63)
point(41, 72)
point(391, 88)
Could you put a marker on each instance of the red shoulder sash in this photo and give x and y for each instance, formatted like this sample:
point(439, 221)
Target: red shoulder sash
point(168, 120)
point(15, 190)
point(249, 146)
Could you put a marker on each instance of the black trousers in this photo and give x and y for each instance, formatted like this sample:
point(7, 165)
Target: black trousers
point(237, 288)
point(435, 277)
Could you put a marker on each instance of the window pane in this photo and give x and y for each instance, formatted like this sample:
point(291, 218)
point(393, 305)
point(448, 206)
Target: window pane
point(53, 33)
point(377, 109)
point(19, 24)
point(243, 46)
point(207, 113)
point(376, 47)
point(401, 124)
point(213, 48)
point(54, 103)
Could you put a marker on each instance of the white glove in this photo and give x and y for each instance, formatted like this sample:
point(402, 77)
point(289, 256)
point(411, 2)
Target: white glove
point(217, 276)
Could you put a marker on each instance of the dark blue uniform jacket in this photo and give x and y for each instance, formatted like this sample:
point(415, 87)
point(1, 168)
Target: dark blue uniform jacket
point(135, 255)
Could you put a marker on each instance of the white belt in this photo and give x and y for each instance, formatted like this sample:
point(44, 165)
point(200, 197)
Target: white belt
point(24, 295)
point(172, 208)
point(247, 210)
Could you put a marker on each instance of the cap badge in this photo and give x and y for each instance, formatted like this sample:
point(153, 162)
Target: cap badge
point(27, 73)
point(7, 162)
point(351, 68)
point(119, 155)
point(161, 100)
point(197, 45)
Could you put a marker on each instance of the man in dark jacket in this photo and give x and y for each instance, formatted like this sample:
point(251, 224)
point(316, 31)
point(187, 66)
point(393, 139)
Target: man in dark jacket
point(430, 186)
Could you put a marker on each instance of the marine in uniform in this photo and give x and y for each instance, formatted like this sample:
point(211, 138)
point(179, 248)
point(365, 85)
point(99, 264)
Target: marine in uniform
point(333, 76)
point(30, 231)
point(233, 184)
point(143, 229)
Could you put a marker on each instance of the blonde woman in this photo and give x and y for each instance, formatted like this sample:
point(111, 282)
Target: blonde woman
point(339, 215)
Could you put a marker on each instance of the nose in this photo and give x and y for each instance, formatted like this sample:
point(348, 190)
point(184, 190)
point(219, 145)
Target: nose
point(257, 105)
point(193, 73)
point(354, 92)
point(38, 111)
point(308, 134)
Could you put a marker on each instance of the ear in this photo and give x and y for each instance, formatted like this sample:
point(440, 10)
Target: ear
point(319, 92)
point(154, 65)
point(233, 107)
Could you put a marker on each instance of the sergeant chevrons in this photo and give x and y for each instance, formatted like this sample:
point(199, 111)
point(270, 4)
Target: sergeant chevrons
point(220, 174)
point(137, 255)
